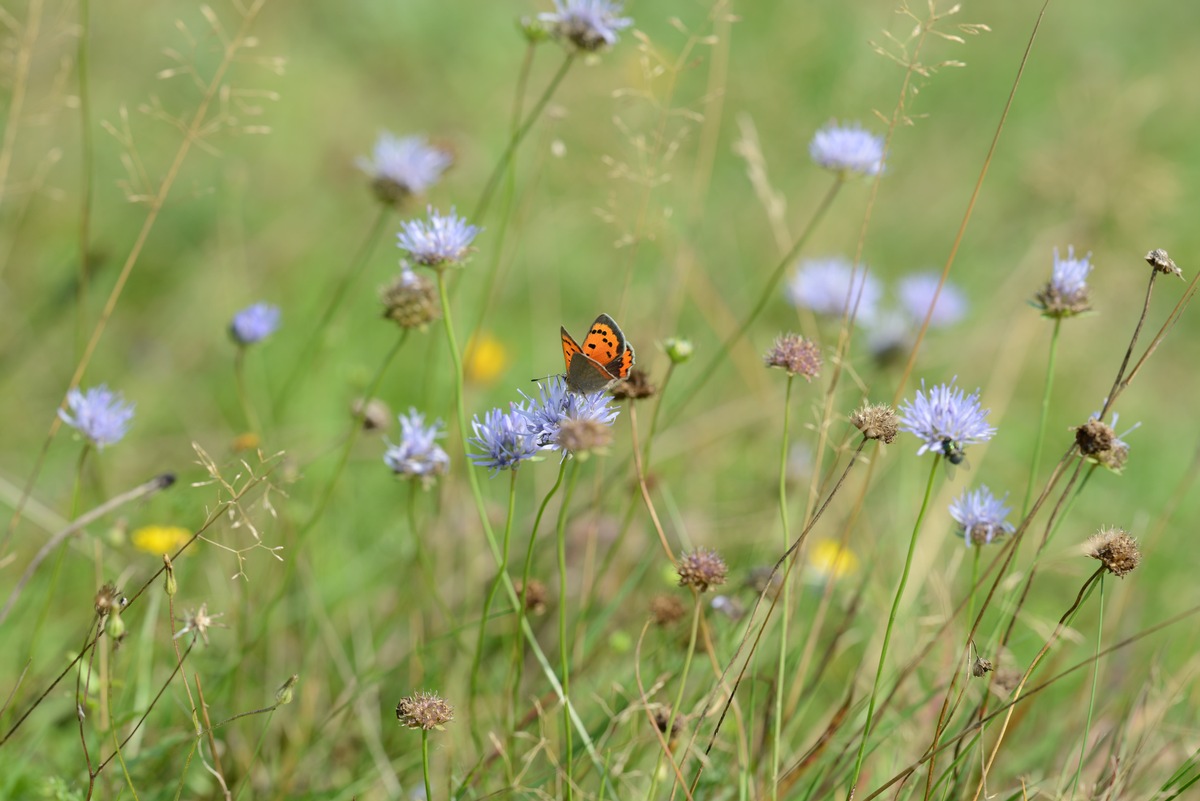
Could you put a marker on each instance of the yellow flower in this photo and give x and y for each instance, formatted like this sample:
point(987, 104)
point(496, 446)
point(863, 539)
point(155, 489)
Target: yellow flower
point(486, 358)
point(160, 539)
point(246, 442)
point(829, 560)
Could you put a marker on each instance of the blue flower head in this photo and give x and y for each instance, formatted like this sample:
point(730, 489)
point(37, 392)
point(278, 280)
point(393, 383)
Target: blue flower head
point(417, 455)
point(100, 414)
point(556, 405)
point(403, 166)
point(946, 420)
point(831, 287)
point(1066, 294)
point(847, 150)
point(586, 24)
point(981, 516)
point(438, 240)
point(916, 296)
point(503, 440)
point(254, 323)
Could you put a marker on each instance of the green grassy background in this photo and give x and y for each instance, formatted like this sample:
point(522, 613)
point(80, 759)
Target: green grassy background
point(1099, 151)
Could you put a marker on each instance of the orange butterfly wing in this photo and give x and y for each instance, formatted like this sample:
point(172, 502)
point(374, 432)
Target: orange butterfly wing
point(604, 356)
point(604, 341)
point(570, 347)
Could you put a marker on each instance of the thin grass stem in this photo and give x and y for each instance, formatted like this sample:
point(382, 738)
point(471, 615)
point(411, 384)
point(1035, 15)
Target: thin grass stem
point(1051, 359)
point(1087, 726)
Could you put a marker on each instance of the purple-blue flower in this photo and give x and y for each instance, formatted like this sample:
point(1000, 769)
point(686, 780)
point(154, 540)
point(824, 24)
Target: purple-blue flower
point(587, 24)
point(408, 164)
point(437, 240)
point(916, 296)
point(831, 287)
point(847, 149)
point(555, 404)
point(503, 440)
point(1069, 276)
point(946, 420)
point(417, 454)
point(254, 323)
point(981, 516)
point(100, 414)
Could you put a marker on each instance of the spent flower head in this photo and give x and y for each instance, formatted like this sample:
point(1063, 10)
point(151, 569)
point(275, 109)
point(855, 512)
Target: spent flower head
point(832, 286)
point(254, 323)
point(417, 455)
point(1162, 263)
point(876, 421)
point(847, 150)
point(917, 296)
point(1100, 444)
point(556, 406)
point(437, 240)
point(797, 355)
point(411, 300)
point(1117, 550)
point(401, 167)
point(981, 516)
point(503, 440)
point(1066, 293)
point(586, 24)
point(945, 419)
point(198, 622)
point(701, 570)
point(100, 414)
point(423, 710)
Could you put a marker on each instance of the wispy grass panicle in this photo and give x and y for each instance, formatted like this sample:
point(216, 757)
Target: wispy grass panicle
point(832, 286)
point(401, 167)
point(946, 420)
point(981, 516)
point(848, 150)
point(1066, 294)
point(439, 240)
point(417, 455)
point(101, 415)
point(587, 25)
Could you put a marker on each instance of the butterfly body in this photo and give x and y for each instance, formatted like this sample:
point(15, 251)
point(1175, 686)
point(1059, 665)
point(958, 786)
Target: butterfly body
point(603, 358)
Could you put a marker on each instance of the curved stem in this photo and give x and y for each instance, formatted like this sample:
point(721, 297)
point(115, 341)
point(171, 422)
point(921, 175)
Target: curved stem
point(887, 634)
point(1051, 359)
point(1087, 726)
point(86, 158)
point(564, 643)
point(781, 672)
point(239, 375)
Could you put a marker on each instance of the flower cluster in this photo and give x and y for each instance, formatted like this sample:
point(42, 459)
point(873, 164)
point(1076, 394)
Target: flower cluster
point(917, 296)
point(100, 414)
point(797, 355)
point(254, 323)
point(587, 25)
point(503, 440)
point(417, 455)
point(1066, 293)
point(847, 150)
point(424, 711)
point(833, 286)
point(945, 419)
point(439, 240)
point(411, 300)
point(981, 516)
point(403, 166)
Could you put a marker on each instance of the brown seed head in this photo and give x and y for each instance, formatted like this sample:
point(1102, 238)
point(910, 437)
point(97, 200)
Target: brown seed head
point(1094, 437)
point(701, 569)
point(390, 192)
point(980, 667)
point(534, 598)
point(374, 414)
point(635, 387)
point(797, 355)
point(1161, 262)
point(877, 422)
point(582, 435)
point(423, 710)
point(666, 609)
point(109, 599)
point(1056, 304)
point(1115, 549)
point(662, 718)
point(411, 300)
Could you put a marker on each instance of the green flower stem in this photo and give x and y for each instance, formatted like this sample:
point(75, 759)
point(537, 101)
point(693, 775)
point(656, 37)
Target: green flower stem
point(1087, 726)
point(427, 566)
point(526, 570)
point(303, 363)
point(425, 764)
point(564, 642)
point(262, 736)
point(697, 605)
point(768, 292)
point(490, 536)
point(502, 568)
point(86, 160)
point(782, 674)
point(239, 374)
point(976, 550)
point(352, 437)
point(514, 139)
point(887, 634)
point(1051, 359)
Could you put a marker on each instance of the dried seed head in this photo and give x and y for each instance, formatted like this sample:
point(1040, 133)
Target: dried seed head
point(1161, 262)
point(1094, 437)
point(877, 421)
point(635, 387)
point(981, 667)
point(582, 435)
point(666, 609)
point(662, 719)
point(1055, 303)
point(374, 414)
point(411, 301)
point(423, 710)
point(198, 622)
point(534, 597)
point(109, 600)
point(797, 355)
point(1115, 549)
point(701, 569)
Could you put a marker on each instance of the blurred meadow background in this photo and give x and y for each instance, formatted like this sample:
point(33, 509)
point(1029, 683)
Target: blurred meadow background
point(164, 166)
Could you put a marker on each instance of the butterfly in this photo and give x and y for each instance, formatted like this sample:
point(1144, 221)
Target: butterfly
point(605, 357)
